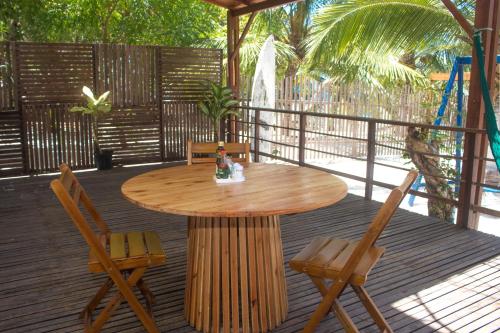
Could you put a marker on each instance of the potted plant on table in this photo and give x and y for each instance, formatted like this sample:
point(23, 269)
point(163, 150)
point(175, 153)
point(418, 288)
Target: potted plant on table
point(96, 108)
point(217, 105)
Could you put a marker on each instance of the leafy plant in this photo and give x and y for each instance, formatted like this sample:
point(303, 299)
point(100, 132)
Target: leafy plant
point(383, 42)
point(95, 108)
point(217, 105)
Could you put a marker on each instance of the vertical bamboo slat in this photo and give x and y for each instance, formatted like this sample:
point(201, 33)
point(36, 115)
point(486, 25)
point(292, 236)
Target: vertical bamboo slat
point(40, 133)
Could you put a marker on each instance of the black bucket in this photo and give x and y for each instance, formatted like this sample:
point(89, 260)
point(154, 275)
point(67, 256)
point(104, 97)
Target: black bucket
point(103, 159)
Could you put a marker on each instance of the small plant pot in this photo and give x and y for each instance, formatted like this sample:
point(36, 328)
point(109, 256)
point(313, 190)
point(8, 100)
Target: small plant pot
point(103, 159)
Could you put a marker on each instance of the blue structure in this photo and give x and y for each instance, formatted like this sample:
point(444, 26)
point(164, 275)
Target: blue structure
point(457, 69)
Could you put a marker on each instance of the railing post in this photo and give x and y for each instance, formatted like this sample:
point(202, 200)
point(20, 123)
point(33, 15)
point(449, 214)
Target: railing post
point(464, 211)
point(256, 136)
point(370, 159)
point(302, 138)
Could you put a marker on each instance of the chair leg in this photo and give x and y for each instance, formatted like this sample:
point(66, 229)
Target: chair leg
point(337, 308)
point(134, 303)
point(148, 296)
point(145, 291)
point(372, 309)
point(86, 314)
point(324, 307)
point(344, 317)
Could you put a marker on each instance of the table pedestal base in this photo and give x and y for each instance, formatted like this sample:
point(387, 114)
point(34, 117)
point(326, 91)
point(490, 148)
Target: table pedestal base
point(235, 274)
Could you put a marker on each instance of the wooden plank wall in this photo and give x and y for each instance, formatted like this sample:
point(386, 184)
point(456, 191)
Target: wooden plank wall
point(154, 89)
point(182, 78)
point(132, 130)
point(54, 135)
point(11, 151)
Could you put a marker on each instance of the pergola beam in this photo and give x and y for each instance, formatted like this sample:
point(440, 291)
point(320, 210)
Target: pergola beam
point(242, 37)
point(469, 29)
point(242, 7)
point(255, 7)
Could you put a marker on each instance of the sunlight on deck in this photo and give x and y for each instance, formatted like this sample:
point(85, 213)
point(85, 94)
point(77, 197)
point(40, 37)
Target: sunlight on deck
point(449, 305)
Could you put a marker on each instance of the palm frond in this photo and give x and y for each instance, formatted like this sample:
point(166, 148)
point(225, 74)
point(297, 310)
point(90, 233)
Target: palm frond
point(371, 39)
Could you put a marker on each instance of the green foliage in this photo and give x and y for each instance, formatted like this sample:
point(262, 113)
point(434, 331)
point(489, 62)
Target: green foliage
point(160, 22)
point(96, 107)
point(381, 41)
point(290, 25)
point(217, 105)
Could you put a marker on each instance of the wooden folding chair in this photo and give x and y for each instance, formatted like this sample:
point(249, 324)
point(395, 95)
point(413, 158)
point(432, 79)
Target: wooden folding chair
point(202, 152)
point(348, 262)
point(123, 256)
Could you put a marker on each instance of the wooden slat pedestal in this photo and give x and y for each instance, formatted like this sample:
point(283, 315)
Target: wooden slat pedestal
point(235, 274)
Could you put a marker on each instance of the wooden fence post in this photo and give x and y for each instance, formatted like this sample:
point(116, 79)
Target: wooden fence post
point(95, 83)
point(159, 102)
point(302, 138)
point(17, 92)
point(370, 159)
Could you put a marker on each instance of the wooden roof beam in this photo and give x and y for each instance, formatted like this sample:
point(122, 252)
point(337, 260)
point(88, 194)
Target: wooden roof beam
point(255, 7)
point(459, 17)
point(243, 35)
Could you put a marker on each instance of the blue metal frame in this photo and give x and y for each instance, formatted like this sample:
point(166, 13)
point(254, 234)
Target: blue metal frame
point(457, 69)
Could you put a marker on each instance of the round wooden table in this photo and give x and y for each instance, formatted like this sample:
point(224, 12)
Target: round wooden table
point(235, 271)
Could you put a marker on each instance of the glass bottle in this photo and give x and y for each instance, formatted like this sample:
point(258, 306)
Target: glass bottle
point(220, 169)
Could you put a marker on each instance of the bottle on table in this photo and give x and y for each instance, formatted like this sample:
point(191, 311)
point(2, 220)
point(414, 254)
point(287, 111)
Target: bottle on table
point(221, 170)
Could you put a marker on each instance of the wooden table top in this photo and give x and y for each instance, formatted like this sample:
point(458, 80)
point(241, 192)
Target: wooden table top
point(269, 189)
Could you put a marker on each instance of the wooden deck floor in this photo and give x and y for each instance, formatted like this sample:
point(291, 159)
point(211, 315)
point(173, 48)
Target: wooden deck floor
point(434, 277)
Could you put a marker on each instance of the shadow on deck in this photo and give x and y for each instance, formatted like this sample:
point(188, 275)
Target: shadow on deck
point(434, 276)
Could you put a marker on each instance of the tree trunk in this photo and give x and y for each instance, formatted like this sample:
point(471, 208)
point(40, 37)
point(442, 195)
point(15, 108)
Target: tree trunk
point(298, 33)
point(417, 142)
point(105, 24)
point(14, 33)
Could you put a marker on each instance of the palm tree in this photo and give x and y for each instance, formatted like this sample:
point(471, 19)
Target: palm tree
point(290, 26)
point(383, 41)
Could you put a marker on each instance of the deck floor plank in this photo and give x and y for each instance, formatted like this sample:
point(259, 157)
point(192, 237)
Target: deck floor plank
point(433, 277)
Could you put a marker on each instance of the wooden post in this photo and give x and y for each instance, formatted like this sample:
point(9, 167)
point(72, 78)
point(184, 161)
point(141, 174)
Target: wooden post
point(302, 138)
point(458, 17)
point(487, 16)
point(95, 82)
point(233, 64)
point(159, 100)
point(14, 61)
point(234, 41)
point(370, 159)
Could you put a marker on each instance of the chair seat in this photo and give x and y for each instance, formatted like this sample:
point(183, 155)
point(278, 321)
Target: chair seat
point(325, 257)
point(130, 250)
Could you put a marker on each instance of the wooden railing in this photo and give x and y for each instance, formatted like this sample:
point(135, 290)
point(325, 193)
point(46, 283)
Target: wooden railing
point(292, 136)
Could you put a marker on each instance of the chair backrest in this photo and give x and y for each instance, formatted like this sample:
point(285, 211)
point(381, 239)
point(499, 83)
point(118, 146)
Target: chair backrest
point(70, 194)
point(204, 152)
point(379, 222)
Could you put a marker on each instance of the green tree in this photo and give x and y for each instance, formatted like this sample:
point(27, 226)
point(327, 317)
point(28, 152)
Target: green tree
point(166, 22)
point(290, 25)
point(382, 41)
